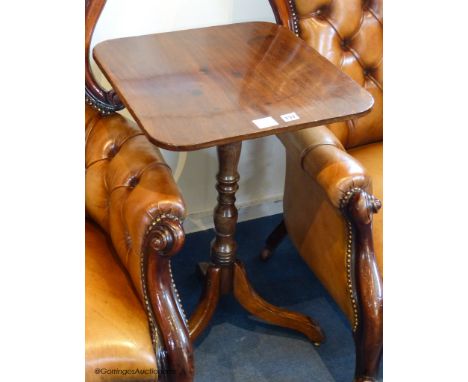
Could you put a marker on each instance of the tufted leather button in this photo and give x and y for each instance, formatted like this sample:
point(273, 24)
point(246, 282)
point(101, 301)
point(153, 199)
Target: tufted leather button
point(113, 150)
point(128, 240)
point(134, 180)
point(345, 43)
point(322, 12)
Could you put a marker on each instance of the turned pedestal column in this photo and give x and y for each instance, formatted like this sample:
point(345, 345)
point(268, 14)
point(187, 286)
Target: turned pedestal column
point(225, 274)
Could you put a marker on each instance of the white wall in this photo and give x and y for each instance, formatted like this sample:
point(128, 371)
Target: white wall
point(262, 161)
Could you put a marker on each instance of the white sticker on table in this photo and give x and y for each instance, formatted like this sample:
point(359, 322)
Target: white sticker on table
point(290, 117)
point(263, 123)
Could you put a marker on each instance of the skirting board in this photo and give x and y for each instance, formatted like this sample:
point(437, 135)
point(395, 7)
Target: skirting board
point(202, 221)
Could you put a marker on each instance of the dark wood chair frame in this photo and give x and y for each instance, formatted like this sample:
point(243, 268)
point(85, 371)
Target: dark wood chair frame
point(107, 102)
point(164, 238)
point(364, 279)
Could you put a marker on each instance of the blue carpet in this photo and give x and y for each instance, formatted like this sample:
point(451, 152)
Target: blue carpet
point(238, 347)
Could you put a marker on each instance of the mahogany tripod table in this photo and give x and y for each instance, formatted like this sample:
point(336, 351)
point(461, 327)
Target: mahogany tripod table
point(219, 86)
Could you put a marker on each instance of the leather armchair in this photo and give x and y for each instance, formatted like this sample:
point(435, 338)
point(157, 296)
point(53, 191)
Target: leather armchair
point(135, 326)
point(333, 182)
point(134, 210)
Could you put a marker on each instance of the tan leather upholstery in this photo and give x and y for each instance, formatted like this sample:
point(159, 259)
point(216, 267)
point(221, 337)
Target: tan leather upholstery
point(127, 184)
point(117, 332)
point(323, 163)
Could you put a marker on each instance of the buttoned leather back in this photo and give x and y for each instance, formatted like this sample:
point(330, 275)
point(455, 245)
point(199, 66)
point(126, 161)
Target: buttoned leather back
point(128, 185)
point(349, 33)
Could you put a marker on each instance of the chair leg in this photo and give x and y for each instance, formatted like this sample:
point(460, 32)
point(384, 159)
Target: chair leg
point(365, 282)
point(272, 242)
point(368, 355)
point(368, 337)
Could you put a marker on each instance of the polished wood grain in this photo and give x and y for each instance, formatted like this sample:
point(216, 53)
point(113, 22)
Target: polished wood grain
point(224, 246)
point(205, 309)
point(204, 87)
point(253, 303)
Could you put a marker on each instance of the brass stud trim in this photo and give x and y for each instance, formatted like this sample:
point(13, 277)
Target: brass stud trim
point(294, 20)
point(349, 250)
point(349, 256)
point(102, 107)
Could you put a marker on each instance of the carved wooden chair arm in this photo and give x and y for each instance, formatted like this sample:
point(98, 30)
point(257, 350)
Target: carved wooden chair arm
point(105, 101)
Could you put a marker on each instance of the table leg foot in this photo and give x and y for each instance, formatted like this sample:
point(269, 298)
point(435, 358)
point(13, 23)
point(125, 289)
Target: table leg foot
point(257, 306)
point(207, 304)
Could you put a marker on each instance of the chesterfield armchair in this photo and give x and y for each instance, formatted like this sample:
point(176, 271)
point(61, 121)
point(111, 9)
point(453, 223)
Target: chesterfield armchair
point(135, 326)
point(333, 184)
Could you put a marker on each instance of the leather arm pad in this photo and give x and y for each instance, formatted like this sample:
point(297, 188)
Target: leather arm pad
point(323, 157)
point(128, 185)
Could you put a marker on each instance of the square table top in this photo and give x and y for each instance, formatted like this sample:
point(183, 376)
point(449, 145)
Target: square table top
point(203, 87)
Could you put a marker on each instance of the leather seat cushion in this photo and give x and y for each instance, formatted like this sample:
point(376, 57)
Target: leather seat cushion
point(117, 329)
point(371, 157)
